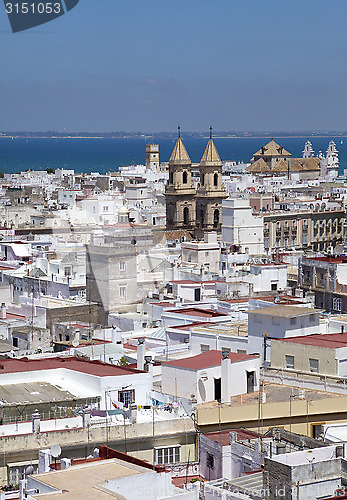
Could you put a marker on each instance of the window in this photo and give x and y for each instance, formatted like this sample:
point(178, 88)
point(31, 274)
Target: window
point(337, 304)
point(314, 365)
point(105, 208)
point(67, 271)
point(123, 292)
point(185, 178)
point(241, 351)
point(273, 286)
point(168, 455)
point(293, 321)
point(204, 347)
point(290, 362)
point(122, 265)
point(312, 318)
point(127, 397)
point(226, 349)
point(215, 180)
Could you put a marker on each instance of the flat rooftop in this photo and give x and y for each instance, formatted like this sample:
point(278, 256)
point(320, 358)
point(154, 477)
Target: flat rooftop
point(276, 393)
point(30, 393)
point(285, 311)
point(330, 340)
point(207, 360)
point(195, 311)
point(97, 368)
point(87, 481)
point(237, 329)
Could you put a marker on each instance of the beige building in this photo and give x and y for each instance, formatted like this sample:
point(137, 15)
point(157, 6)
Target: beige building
point(281, 406)
point(318, 230)
point(325, 354)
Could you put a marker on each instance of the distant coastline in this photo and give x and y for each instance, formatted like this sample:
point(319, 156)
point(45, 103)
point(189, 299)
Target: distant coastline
point(171, 135)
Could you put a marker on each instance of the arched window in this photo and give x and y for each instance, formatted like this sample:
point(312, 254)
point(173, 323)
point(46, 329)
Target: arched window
point(215, 218)
point(186, 216)
point(215, 180)
point(202, 179)
point(185, 177)
point(171, 177)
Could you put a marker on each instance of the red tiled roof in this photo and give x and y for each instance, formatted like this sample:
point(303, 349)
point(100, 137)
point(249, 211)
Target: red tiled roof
point(207, 360)
point(14, 316)
point(333, 260)
point(223, 436)
point(330, 340)
point(191, 325)
point(195, 311)
point(162, 304)
point(95, 367)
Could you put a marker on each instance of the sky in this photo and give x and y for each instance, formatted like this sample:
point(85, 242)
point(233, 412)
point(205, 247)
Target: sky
point(147, 65)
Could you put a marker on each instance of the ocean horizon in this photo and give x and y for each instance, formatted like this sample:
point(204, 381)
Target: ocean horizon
point(108, 154)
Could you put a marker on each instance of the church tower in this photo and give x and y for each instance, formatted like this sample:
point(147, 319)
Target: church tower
point(308, 151)
point(152, 157)
point(210, 192)
point(332, 157)
point(180, 190)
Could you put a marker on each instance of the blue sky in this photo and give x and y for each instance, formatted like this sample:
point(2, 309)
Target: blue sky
point(147, 65)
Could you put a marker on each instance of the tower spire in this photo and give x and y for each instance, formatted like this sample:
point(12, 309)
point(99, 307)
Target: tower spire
point(179, 130)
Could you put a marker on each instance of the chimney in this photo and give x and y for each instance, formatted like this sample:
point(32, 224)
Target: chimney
point(141, 351)
point(148, 364)
point(226, 377)
point(3, 310)
point(86, 418)
point(36, 421)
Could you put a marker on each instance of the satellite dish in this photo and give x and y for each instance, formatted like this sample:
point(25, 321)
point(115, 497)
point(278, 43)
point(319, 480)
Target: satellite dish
point(75, 343)
point(29, 470)
point(55, 450)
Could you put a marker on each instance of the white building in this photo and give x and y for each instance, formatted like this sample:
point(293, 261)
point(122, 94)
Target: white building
point(240, 229)
point(202, 254)
point(279, 322)
point(211, 377)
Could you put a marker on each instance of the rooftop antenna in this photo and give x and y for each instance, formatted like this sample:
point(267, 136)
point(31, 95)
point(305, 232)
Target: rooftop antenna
point(179, 131)
point(210, 132)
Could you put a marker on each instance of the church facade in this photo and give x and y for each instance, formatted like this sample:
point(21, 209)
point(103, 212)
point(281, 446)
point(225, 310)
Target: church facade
point(189, 206)
point(273, 159)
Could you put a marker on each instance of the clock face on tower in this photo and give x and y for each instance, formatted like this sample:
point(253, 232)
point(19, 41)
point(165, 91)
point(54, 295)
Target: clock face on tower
point(24, 15)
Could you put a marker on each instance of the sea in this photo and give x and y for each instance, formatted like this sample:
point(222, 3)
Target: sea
point(108, 154)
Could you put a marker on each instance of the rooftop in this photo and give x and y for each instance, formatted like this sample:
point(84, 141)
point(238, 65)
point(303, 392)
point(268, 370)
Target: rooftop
point(207, 360)
point(97, 368)
point(331, 340)
point(222, 437)
point(285, 311)
point(239, 329)
point(88, 480)
point(195, 311)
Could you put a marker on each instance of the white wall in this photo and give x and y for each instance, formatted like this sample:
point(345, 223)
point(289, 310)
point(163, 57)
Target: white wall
point(241, 228)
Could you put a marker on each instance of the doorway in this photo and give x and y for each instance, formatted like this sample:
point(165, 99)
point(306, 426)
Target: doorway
point(217, 389)
point(250, 381)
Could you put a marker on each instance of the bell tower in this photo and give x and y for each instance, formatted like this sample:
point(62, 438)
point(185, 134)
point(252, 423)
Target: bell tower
point(180, 190)
point(210, 192)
